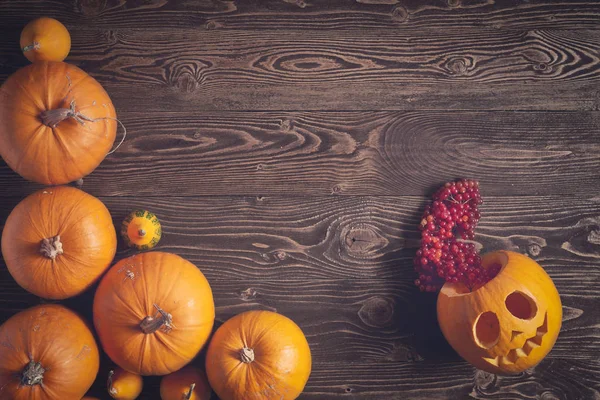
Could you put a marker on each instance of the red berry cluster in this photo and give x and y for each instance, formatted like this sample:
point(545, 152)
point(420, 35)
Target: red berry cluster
point(442, 257)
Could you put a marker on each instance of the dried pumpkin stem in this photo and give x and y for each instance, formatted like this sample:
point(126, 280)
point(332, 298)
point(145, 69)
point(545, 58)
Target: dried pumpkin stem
point(247, 355)
point(51, 247)
point(34, 46)
point(162, 320)
point(54, 117)
point(33, 374)
point(142, 232)
point(109, 383)
point(188, 396)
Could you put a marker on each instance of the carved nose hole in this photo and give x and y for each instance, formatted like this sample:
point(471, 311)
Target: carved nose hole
point(520, 305)
point(514, 335)
point(487, 330)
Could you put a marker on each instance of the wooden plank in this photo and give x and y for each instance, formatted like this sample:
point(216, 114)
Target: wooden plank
point(352, 320)
point(287, 239)
point(193, 70)
point(307, 14)
point(552, 379)
point(345, 153)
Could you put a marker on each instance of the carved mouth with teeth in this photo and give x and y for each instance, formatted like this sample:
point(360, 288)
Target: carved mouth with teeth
point(515, 354)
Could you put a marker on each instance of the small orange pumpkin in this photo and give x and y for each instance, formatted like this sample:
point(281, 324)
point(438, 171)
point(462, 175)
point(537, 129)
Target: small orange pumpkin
point(507, 325)
point(58, 241)
point(58, 123)
point(258, 355)
point(153, 313)
point(48, 352)
point(124, 385)
point(45, 39)
point(141, 230)
point(189, 383)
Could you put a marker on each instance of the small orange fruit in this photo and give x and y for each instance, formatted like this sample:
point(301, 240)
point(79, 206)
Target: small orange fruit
point(45, 39)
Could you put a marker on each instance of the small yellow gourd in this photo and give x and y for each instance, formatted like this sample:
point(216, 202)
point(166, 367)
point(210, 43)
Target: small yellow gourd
point(141, 230)
point(124, 385)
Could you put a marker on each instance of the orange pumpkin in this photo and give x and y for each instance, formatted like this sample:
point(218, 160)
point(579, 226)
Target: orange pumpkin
point(58, 123)
point(258, 355)
point(58, 241)
point(153, 313)
point(124, 385)
point(189, 383)
point(47, 353)
point(507, 325)
point(45, 39)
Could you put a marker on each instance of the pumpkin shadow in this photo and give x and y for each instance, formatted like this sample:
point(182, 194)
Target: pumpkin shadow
point(424, 340)
point(12, 58)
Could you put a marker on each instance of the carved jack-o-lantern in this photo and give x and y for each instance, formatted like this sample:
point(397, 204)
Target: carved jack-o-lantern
point(507, 325)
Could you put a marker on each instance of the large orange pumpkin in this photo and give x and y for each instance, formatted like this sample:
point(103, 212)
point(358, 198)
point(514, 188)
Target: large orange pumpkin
point(58, 123)
point(189, 383)
point(47, 353)
point(507, 325)
point(258, 355)
point(45, 39)
point(153, 313)
point(58, 241)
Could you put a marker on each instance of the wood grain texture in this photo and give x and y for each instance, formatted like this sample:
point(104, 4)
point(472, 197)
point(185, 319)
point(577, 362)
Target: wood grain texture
point(374, 338)
point(193, 70)
point(291, 239)
point(288, 145)
point(307, 14)
point(342, 268)
point(346, 153)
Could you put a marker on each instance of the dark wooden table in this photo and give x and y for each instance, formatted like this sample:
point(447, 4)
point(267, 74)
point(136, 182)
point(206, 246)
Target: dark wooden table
point(288, 147)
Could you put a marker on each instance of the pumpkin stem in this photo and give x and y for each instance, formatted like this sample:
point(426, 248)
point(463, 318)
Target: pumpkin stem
point(247, 355)
point(52, 118)
point(142, 232)
point(34, 46)
point(109, 383)
point(51, 247)
point(33, 374)
point(188, 396)
point(162, 320)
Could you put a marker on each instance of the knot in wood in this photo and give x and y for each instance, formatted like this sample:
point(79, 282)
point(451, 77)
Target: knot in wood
point(248, 294)
point(399, 14)
point(594, 236)
point(285, 124)
point(484, 380)
point(363, 241)
point(376, 312)
point(187, 83)
point(459, 66)
point(91, 8)
point(543, 68)
point(534, 249)
point(550, 396)
point(453, 3)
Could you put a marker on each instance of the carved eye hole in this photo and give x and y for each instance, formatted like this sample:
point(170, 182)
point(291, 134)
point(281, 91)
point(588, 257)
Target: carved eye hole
point(487, 330)
point(520, 305)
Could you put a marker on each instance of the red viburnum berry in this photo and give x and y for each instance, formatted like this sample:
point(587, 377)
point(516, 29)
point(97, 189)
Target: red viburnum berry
point(453, 215)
